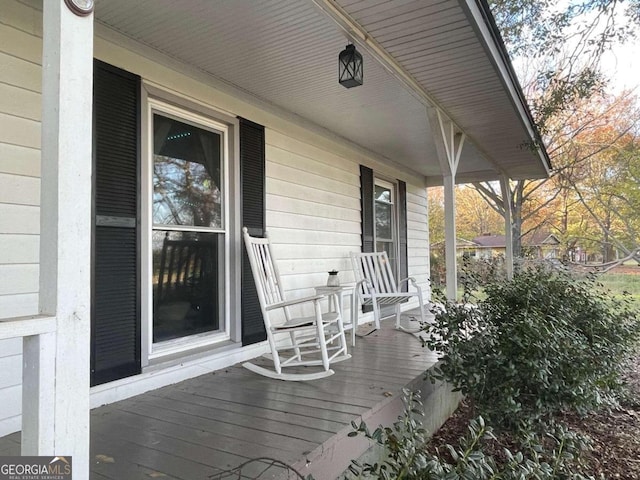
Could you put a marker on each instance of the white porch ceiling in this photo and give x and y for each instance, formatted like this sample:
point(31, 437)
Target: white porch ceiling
point(284, 52)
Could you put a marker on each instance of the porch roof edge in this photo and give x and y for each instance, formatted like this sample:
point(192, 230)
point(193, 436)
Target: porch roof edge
point(490, 23)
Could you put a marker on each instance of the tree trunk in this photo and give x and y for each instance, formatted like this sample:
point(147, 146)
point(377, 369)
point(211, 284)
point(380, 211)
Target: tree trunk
point(516, 217)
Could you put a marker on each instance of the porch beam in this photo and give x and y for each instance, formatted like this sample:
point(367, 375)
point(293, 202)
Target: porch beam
point(508, 228)
point(65, 225)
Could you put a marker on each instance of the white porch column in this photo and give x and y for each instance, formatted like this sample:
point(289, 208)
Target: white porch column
point(508, 231)
point(449, 143)
point(65, 223)
point(451, 262)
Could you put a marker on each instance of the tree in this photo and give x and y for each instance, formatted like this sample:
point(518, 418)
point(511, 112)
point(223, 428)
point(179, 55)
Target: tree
point(473, 216)
point(603, 183)
point(564, 45)
point(435, 199)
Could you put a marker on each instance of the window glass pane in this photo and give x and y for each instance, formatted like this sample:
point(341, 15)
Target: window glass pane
point(382, 194)
point(187, 187)
point(384, 222)
point(187, 268)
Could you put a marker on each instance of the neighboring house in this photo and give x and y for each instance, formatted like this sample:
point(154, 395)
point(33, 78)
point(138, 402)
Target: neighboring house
point(540, 245)
point(464, 246)
point(208, 116)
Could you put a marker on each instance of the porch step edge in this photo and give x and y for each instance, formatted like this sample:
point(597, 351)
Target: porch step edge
point(330, 460)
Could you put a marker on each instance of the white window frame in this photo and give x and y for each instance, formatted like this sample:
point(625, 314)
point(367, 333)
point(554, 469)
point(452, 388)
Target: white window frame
point(150, 349)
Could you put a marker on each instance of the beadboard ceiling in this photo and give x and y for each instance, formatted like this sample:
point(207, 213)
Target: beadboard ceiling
point(284, 53)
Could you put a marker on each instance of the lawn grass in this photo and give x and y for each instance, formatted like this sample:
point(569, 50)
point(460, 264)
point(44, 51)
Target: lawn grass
point(619, 283)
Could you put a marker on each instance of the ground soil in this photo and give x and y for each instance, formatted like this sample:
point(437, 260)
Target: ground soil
point(614, 434)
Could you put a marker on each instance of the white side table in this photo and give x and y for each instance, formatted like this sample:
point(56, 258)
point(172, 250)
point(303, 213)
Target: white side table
point(341, 292)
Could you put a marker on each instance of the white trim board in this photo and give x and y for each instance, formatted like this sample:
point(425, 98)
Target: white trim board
point(161, 375)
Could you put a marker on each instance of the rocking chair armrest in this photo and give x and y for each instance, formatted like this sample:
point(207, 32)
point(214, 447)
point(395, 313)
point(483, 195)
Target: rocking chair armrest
point(367, 284)
point(409, 279)
point(294, 301)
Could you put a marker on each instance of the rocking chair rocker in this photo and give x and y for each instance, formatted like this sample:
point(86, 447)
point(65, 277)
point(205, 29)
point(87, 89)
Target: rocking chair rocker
point(316, 340)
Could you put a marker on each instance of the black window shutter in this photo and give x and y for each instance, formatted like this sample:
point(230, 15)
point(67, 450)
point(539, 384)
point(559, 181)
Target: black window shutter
point(402, 238)
point(366, 208)
point(366, 215)
point(252, 178)
point(115, 315)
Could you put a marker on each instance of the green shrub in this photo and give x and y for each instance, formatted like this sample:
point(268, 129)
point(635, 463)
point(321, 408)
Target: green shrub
point(406, 454)
point(540, 343)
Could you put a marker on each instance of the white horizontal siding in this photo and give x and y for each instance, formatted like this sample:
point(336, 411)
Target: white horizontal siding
point(20, 102)
point(10, 370)
point(20, 72)
point(19, 131)
point(19, 219)
point(11, 401)
point(10, 385)
point(19, 160)
point(286, 204)
point(20, 112)
point(19, 190)
point(418, 236)
point(21, 249)
point(306, 222)
point(313, 211)
point(20, 305)
point(313, 214)
point(16, 42)
point(18, 279)
point(12, 346)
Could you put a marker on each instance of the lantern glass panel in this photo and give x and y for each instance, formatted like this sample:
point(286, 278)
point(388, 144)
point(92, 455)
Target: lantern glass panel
point(350, 71)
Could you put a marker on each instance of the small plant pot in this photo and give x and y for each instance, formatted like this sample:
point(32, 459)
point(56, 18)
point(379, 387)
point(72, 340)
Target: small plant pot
point(333, 280)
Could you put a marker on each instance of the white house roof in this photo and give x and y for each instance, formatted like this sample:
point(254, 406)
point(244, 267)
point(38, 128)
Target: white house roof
point(417, 53)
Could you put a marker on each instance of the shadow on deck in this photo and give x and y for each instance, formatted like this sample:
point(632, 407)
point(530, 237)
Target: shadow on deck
point(201, 427)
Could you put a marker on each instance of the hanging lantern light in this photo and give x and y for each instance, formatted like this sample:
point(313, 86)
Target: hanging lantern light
point(350, 67)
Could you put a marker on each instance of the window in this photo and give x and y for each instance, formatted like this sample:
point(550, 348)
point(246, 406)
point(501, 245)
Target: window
point(188, 208)
point(385, 214)
point(384, 219)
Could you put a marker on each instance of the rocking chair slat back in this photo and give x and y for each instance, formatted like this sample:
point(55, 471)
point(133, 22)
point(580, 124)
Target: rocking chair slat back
point(266, 272)
point(376, 268)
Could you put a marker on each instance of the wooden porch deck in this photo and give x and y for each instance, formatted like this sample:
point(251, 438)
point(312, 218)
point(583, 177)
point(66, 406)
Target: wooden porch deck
point(209, 424)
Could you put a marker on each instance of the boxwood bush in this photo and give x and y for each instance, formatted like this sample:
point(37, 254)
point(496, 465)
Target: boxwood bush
point(542, 342)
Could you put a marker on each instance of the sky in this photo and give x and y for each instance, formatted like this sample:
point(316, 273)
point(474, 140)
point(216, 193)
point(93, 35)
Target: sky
point(622, 65)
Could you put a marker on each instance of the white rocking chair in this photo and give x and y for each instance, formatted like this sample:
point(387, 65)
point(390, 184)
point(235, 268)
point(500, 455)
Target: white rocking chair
point(316, 340)
point(377, 287)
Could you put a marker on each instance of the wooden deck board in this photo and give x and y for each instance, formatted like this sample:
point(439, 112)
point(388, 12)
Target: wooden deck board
point(133, 461)
point(199, 427)
point(158, 432)
point(356, 392)
point(260, 431)
point(334, 389)
point(249, 411)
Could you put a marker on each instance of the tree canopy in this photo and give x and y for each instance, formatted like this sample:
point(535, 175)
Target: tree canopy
point(556, 47)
